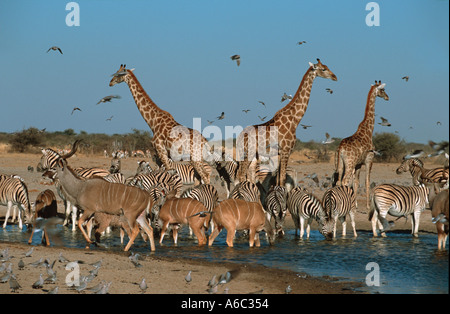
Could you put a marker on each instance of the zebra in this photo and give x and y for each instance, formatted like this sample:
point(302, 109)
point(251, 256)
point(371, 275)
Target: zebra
point(339, 202)
point(419, 174)
point(144, 167)
point(227, 171)
point(246, 191)
point(304, 206)
point(276, 207)
point(91, 172)
point(48, 160)
point(115, 178)
point(187, 173)
point(398, 201)
point(205, 194)
point(14, 192)
point(162, 179)
point(116, 165)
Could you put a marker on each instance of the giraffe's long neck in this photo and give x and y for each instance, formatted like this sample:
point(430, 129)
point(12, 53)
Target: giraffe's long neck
point(296, 108)
point(367, 124)
point(148, 109)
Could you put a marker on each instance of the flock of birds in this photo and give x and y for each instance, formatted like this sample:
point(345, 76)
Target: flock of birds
point(237, 59)
point(81, 284)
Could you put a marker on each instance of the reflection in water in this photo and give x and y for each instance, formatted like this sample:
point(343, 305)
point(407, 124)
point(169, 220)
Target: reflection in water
point(407, 264)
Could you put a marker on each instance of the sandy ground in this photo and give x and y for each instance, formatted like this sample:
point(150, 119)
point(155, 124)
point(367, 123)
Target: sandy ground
point(165, 275)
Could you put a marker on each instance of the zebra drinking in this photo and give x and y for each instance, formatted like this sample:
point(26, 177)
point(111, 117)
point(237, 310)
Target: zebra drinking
point(304, 206)
point(276, 207)
point(339, 202)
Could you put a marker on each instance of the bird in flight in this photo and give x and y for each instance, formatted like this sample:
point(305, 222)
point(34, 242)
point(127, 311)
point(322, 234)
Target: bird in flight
point(236, 58)
point(110, 118)
point(406, 78)
point(222, 116)
point(210, 122)
point(108, 98)
point(329, 90)
point(262, 103)
point(301, 42)
point(285, 96)
point(384, 122)
point(54, 48)
point(75, 109)
point(262, 118)
point(246, 110)
point(328, 139)
point(305, 126)
point(415, 154)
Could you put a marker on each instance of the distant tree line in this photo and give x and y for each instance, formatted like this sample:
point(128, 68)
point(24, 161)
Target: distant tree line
point(389, 147)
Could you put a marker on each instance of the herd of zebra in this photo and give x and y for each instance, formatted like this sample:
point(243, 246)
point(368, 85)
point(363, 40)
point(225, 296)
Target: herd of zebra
point(337, 203)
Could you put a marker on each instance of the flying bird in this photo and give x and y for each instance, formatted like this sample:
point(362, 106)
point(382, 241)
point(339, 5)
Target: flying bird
point(384, 122)
point(262, 103)
point(54, 48)
point(415, 154)
point(236, 58)
point(222, 116)
point(406, 78)
point(262, 118)
point(108, 98)
point(246, 110)
point(110, 118)
point(438, 148)
point(305, 126)
point(328, 139)
point(210, 122)
point(301, 42)
point(285, 96)
point(438, 123)
point(329, 90)
point(75, 109)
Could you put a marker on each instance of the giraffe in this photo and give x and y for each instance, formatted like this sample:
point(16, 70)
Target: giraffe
point(169, 137)
point(283, 124)
point(358, 150)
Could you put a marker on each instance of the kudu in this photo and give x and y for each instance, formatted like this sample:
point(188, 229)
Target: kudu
point(176, 211)
point(236, 214)
point(97, 195)
point(45, 207)
point(439, 213)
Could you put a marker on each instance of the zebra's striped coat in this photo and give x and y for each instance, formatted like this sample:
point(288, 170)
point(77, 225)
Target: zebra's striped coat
point(14, 192)
point(304, 207)
point(415, 167)
point(398, 201)
point(339, 202)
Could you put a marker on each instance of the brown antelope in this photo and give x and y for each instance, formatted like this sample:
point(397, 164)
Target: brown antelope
point(98, 195)
point(439, 212)
point(176, 211)
point(236, 214)
point(45, 207)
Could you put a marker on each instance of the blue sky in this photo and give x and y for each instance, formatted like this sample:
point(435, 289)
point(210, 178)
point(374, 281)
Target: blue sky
point(181, 54)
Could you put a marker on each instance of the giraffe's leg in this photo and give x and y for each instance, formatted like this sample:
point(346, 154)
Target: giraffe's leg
point(369, 162)
point(198, 166)
point(283, 166)
point(340, 170)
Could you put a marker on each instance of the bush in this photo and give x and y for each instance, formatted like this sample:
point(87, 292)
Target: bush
point(26, 140)
point(390, 146)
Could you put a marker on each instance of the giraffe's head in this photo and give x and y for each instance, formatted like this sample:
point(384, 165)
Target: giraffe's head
point(380, 92)
point(322, 70)
point(119, 76)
